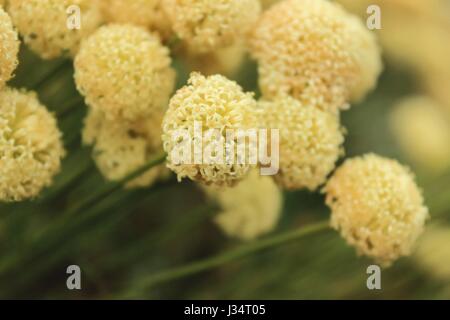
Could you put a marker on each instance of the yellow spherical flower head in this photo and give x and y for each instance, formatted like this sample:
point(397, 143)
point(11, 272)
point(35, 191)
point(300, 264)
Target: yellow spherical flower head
point(316, 52)
point(377, 207)
point(146, 13)
point(9, 48)
point(121, 147)
point(197, 121)
point(250, 209)
point(44, 24)
point(30, 146)
point(124, 71)
point(207, 25)
point(423, 132)
point(310, 141)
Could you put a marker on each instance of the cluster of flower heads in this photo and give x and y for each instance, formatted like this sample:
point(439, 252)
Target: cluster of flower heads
point(124, 72)
point(30, 142)
point(314, 59)
point(30, 146)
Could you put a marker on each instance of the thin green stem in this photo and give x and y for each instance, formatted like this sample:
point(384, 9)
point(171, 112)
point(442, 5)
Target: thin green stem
point(111, 187)
point(136, 250)
point(59, 67)
point(77, 232)
point(53, 235)
point(218, 260)
point(65, 109)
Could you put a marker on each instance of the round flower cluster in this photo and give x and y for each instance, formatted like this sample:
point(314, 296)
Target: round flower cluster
point(124, 71)
point(30, 146)
point(9, 48)
point(377, 207)
point(120, 147)
point(310, 141)
point(216, 103)
point(316, 52)
point(43, 24)
point(145, 13)
point(206, 25)
point(423, 132)
point(250, 209)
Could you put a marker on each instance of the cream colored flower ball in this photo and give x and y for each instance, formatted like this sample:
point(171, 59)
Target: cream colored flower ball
point(377, 207)
point(316, 52)
point(206, 25)
point(210, 103)
point(124, 71)
point(310, 141)
point(30, 146)
point(43, 24)
point(9, 48)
